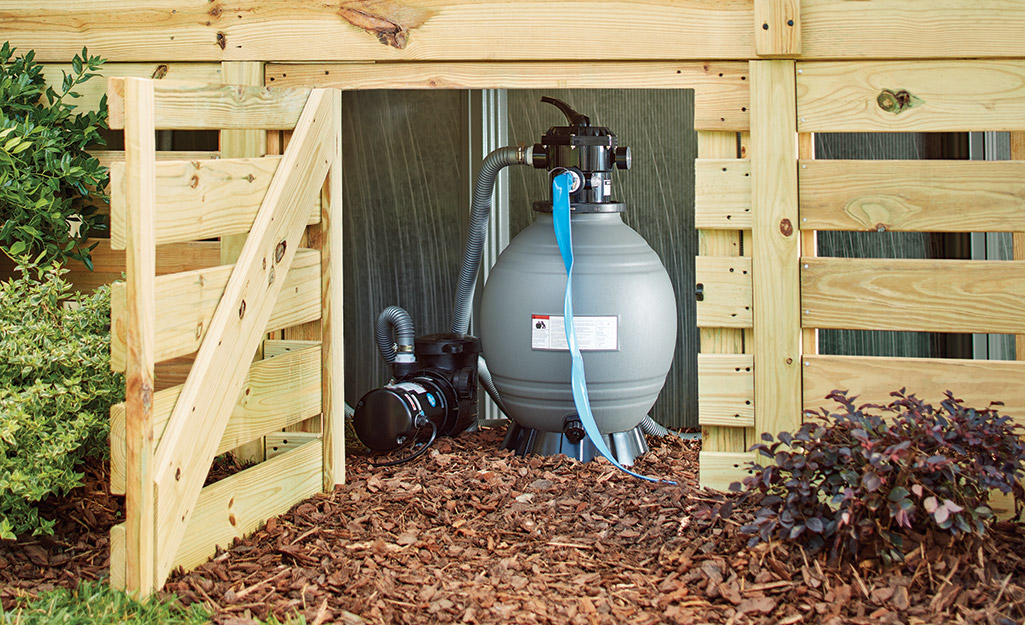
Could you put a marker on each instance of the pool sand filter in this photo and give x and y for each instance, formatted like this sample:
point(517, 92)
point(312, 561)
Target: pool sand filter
point(578, 255)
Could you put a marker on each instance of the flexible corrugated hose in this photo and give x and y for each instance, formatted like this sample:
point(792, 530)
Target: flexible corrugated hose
point(397, 320)
point(480, 213)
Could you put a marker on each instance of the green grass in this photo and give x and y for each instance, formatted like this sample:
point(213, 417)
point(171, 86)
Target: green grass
point(96, 603)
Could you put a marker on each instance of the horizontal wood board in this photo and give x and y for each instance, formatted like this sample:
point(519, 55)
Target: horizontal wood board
point(925, 196)
point(197, 106)
point(265, 30)
point(187, 302)
point(908, 294)
point(719, 469)
point(726, 390)
point(200, 199)
point(722, 194)
point(721, 89)
point(924, 96)
point(238, 505)
point(278, 392)
point(726, 291)
point(872, 379)
point(93, 90)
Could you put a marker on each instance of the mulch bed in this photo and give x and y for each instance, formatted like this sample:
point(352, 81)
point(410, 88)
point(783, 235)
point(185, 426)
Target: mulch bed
point(472, 534)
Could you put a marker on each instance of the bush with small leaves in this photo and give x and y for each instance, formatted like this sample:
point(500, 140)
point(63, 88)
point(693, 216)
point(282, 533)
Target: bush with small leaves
point(56, 390)
point(861, 483)
point(49, 185)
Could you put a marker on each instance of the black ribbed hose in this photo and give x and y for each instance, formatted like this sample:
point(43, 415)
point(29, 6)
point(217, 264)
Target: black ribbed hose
point(394, 320)
point(480, 212)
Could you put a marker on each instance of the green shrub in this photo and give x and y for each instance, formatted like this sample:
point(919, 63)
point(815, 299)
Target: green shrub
point(853, 480)
point(56, 389)
point(48, 184)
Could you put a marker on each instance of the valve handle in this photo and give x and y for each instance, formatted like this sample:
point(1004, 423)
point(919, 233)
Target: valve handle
point(574, 118)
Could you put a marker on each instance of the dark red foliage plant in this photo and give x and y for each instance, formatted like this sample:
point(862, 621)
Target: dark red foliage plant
point(866, 478)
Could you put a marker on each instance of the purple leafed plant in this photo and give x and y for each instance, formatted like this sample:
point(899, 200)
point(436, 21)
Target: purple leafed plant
point(853, 479)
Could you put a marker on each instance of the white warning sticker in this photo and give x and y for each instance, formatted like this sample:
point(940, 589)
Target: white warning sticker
point(594, 334)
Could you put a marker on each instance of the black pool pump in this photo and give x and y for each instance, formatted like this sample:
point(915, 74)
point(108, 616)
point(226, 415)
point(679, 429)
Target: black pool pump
point(434, 388)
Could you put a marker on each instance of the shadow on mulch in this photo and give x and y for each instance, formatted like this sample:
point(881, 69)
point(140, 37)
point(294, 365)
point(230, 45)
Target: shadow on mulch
point(472, 534)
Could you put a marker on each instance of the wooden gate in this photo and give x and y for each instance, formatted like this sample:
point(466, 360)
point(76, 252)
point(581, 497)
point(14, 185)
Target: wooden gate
point(240, 386)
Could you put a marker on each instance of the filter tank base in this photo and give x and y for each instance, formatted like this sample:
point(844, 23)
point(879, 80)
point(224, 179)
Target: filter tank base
point(625, 446)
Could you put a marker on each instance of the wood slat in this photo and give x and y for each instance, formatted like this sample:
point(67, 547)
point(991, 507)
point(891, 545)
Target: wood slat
point(872, 379)
point(719, 469)
point(108, 157)
point(95, 88)
point(239, 504)
point(777, 321)
point(920, 295)
point(195, 30)
point(239, 322)
point(726, 390)
point(722, 194)
point(925, 196)
point(721, 89)
point(279, 443)
point(726, 289)
point(116, 570)
point(188, 300)
point(201, 199)
point(777, 26)
point(863, 96)
point(197, 106)
point(277, 392)
point(902, 29)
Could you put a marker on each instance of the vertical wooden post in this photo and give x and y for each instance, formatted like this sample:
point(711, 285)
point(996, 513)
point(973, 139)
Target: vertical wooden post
point(140, 196)
point(241, 144)
point(1018, 238)
point(777, 28)
point(809, 247)
point(776, 239)
point(719, 340)
point(332, 380)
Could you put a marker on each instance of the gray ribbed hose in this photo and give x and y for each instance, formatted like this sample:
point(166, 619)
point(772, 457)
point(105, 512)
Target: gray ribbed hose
point(489, 385)
point(394, 320)
point(480, 212)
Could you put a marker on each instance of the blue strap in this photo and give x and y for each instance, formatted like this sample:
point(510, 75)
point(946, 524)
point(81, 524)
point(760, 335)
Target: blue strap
point(563, 235)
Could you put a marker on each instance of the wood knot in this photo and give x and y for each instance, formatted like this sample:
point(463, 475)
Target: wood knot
point(194, 182)
point(159, 72)
point(222, 41)
point(279, 251)
point(896, 102)
point(786, 227)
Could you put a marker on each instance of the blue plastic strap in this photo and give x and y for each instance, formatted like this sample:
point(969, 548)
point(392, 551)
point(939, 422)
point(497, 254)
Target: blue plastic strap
point(564, 237)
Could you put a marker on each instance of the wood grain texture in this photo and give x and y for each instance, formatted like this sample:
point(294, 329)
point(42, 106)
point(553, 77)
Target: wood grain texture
point(283, 442)
point(277, 392)
point(726, 390)
point(238, 323)
point(777, 27)
point(925, 196)
point(202, 199)
point(107, 158)
point(721, 89)
point(1018, 238)
point(722, 194)
point(901, 29)
point(932, 295)
point(140, 348)
point(116, 573)
point(863, 96)
point(872, 379)
point(726, 288)
point(332, 297)
point(719, 469)
point(188, 301)
point(196, 106)
point(719, 145)
point(239, 504)
point(777, 321)
point(196, 30)
point(93, 90)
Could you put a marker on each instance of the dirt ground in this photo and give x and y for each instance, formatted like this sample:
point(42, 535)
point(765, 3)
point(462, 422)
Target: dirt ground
point(471, 534)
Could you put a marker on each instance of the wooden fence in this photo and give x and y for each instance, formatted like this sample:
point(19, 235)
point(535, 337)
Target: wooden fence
point(239, 387)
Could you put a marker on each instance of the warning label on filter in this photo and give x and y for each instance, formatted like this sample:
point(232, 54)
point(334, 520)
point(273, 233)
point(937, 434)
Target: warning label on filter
point(593, 333)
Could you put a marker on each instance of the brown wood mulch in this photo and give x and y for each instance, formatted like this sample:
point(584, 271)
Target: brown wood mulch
point(472, 534)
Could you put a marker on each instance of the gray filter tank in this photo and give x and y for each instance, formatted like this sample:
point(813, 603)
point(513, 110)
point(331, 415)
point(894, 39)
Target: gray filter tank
point(624, 308)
